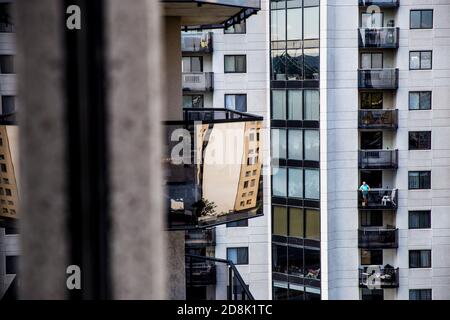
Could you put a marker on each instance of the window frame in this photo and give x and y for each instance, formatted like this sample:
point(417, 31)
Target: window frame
point(420, 105)
point(421, 265)
point(225, 56)
point(235, 94)
point(421, 290)
point(428, 145)
point(421, 186)
point(420, 60)
point(190, 64)
point(421, 14)
point(242, 23)
point(428, 226)
point(237, 255)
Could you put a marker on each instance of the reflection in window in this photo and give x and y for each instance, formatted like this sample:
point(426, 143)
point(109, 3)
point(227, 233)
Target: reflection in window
point(295, 148)
point(279, 104)
point(311, 63)
point(278, 64)
point(238, 255)
point(279, 182)
point(312, 190)
point(295, 107)
point(278, 143)
point(296, 224)
point(312, 111)
point(295, 261)
point(312, 263)
point(279, 258)
point(312, 145)
point(295, 183)
point(294, 64)
point(311, 25)
point(420, 100)
point(278, 25)
point(312, 224)
point(236, 102)
point(294, 24)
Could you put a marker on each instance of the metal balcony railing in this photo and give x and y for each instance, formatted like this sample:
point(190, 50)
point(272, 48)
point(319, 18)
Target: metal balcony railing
point(201, 42)
point(379, 238)
point(378, 79)
point(378, 119)
point(198, 81)
point(380, 199)
point(380, 3)
point(200, 238)
point(384, 38)
point(205, 274)
point(378, 159)
point(378, 277)
point(212, 165)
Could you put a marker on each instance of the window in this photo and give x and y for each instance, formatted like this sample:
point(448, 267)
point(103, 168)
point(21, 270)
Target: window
point(279, 104)
point(420, 294)
point(295, 148)
point(312, 145)
point(312, 190)
point(6, 25)
point(371, 100)
point(371, 257)
point(3, 167)
point(6, 64)
point(420, 258)
point(279, 258)
point(311, 105)
point(371, 218)
point(192, 64)
point(294, 24)
point(280, 226)
point(312, 224)
point(238, 255)
point(296, 223)
point(238, 28)
point(421, 19)
point(374, 295)
point(420, 100)
point(295, 104)
point(371, 60)
point(295, 261)
point(278, 141)
point(311, 25)
point(236, 102)
point(311, 63)
point(372, 20)
point(193, 101)
point(295, 186)
point(238, 224)
point(419, 180)
point(235, 64)
point(8, 104)
point(279, 186)
point(11, 264)
point(420, 219)
point(420, 140)
point(420, 60)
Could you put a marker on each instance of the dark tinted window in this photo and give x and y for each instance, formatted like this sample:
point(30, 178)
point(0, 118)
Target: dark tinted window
point(420, 219)
point(238, 255)
point(419, 180)
point(420, 258)
point(11, 264)
point(420, 294)
point(419, 140)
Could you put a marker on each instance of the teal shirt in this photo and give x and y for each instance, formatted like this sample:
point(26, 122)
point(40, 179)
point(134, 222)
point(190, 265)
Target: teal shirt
point(364, 188)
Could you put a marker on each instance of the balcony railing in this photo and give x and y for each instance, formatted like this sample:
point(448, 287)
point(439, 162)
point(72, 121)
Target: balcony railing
point(378, 238)
point(380, 3)
point(199, 238)
point(205, 274)
point(377, 277)
point(378, 119)
point(380, 199)
point(212, 165)
point(378, 79)
point(198, 81)
point(385, 38)
point(197, 42)
point(378, 159)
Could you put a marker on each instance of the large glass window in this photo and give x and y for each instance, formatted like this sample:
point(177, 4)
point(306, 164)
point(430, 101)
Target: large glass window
point(295, 148)
point(420, 100)
point(312, 263)
point(279, 258)
point(311, 63)
point(295, 183)
point(311, 25)
point(295, 261)
point(279, 178)
point(371, 257)
point(295, 104)
point(312, 103)
point(236, 102)
point(238, 255)
point(296, 224)
point(312, 145)
point(279, 104)
point(280, 221)
point(371, 100)
point(312, 182)
point(294, 24)
point(279, 64)
point(294, 64)
point(312, 224)
point(278, 25)
point(278, 143)
point(419, 140)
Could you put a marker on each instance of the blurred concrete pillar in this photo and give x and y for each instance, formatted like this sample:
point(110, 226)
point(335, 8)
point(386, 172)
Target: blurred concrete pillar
point(135, 260)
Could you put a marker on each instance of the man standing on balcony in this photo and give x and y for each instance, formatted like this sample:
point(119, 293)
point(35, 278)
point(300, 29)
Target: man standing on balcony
point(365, 193)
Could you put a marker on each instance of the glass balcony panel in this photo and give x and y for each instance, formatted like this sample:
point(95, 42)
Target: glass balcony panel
point(384, 38)
point(197, 42)
point(378, 238)
point(380, 3)
point(378, 119)
point(378, 79)
point(379, 199)
point(378, 159)
point(378, 277)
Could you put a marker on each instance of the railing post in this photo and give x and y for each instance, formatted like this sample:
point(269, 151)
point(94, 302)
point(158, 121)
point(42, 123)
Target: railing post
point(230, 284)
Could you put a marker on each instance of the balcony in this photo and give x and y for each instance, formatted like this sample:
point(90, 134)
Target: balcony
point(197, 42)
point(383, 38)
point(200, 238)
point(378, 119)
point(198, 81)
point(380, 199)
point(378, 159)
point(380, 79)
point(380, 3)
point(378, 238)
point(202, 271)
point(377, 277)
point(212, 165)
